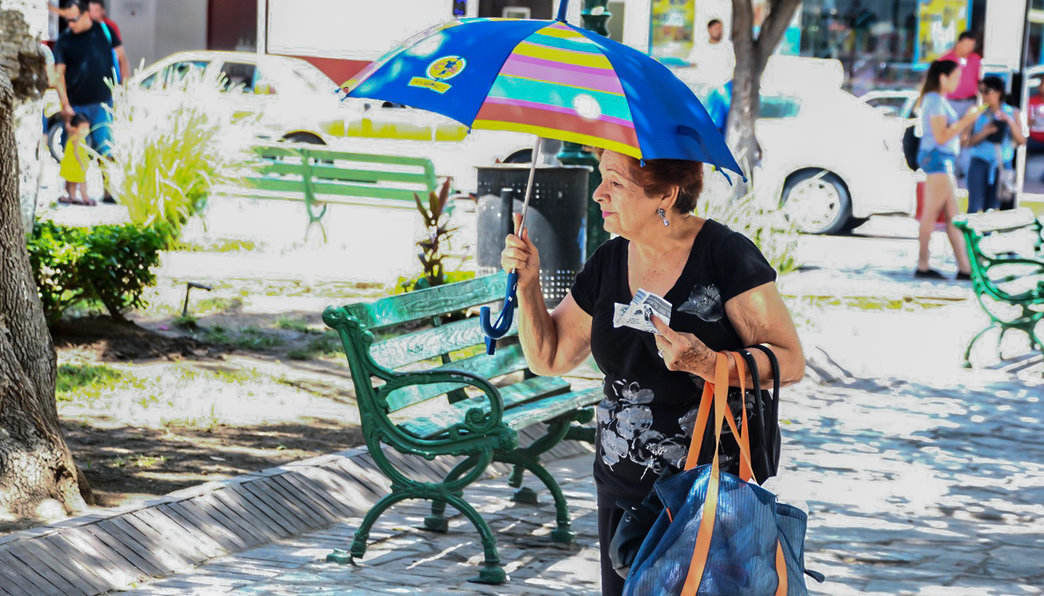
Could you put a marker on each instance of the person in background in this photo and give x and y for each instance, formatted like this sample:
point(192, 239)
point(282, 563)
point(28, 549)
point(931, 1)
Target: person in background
point(964, 96)
point(991, 144)
point(940, 143)
point(73, 168)
point(83, 60)
point(96, 8)
point(714, 56)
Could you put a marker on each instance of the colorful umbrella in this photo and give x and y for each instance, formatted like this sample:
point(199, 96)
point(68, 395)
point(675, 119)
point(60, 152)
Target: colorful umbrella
point(550, 79)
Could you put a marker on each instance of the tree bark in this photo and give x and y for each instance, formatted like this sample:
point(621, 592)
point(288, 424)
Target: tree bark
point(38, 478)
point(752, 55)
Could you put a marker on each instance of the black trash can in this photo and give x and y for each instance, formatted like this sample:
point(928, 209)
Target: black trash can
point(557, 220)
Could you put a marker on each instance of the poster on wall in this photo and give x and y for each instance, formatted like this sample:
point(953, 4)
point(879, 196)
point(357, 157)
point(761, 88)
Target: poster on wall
point(939, 22)
point(671, 25)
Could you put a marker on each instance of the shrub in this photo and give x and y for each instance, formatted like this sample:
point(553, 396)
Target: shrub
point(170, 150)
point(433, 247)
point(767, 228)
point(108, 264)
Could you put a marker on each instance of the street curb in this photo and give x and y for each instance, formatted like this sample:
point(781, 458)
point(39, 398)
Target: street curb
point(117, 548)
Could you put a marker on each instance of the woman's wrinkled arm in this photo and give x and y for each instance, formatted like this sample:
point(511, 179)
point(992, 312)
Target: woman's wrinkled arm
point(557, 342)
point(554, 343)
point(760, 317)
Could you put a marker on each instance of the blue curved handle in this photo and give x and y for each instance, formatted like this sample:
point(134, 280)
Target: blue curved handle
point(495, 331)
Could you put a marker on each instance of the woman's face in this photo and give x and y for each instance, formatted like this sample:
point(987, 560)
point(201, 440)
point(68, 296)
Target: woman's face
point(626, 209)
point(949, 82)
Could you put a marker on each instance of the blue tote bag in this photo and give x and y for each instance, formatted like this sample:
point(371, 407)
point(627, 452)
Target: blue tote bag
point(720, 533)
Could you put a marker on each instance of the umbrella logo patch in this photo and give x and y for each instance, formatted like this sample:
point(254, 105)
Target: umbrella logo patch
point(439, 71)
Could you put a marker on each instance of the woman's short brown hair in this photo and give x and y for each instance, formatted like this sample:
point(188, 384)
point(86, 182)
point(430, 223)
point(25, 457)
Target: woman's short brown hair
point(659, 175)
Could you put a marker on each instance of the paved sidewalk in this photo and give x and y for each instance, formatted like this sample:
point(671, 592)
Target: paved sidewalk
point(914, 485)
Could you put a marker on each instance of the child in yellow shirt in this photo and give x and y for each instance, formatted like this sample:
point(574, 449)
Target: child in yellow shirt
point(73, 167)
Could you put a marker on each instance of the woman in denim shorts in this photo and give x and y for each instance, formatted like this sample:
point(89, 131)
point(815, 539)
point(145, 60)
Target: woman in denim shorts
point(940, 143)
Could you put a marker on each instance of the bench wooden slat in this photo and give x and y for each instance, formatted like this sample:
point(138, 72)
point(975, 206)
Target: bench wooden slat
point(335, 189)
point(414, 347)
point(429, 302)
point(512, 395)
point(296, 151)
point(551, 407)
point(348, 174)
point(507, 360)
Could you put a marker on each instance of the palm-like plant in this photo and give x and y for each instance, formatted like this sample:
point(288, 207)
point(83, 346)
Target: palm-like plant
point(170, 149)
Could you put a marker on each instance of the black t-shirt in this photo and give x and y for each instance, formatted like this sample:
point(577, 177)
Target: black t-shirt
point(648, 413)
point(88, 62)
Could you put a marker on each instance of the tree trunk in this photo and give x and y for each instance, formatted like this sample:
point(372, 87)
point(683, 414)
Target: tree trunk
point(38, 478)
point(752, 55)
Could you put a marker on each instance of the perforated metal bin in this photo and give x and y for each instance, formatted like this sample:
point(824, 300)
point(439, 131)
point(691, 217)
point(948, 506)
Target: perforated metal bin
point(557, 220)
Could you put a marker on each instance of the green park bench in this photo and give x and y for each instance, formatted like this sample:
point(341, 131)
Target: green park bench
point(320, 177)
point(426, 387)
point(1006, 250)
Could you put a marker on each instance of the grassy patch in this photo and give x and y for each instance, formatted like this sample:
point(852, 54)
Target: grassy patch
point(212, 305)
point(297, 325)
point(142, 462)
point(219, 245)
point(872, 303)
point(247, 338)
point(324, 345)
point(185, 395)
point(84, 380)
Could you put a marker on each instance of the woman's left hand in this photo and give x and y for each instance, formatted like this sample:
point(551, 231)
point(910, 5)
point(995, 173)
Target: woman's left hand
point(683, 351)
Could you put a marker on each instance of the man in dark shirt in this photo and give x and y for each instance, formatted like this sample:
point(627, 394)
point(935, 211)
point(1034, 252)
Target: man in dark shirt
point(83, 60)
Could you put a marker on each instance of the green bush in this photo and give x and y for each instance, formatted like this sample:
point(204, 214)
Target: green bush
point(108, 264)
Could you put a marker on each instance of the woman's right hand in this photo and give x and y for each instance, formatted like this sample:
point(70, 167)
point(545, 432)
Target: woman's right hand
point(521, 255)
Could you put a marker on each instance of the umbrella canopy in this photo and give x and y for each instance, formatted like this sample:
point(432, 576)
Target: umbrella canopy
point(550, 79)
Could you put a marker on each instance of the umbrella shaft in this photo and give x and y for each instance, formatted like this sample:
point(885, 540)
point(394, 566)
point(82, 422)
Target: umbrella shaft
point(529, 185)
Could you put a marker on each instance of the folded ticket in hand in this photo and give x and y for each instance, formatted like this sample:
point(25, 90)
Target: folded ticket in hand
point(639, 313)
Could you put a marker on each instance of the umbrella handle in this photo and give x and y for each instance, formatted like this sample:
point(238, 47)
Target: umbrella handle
point(495, 331)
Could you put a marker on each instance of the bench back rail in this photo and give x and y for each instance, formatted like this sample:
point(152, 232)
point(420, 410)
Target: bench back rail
point(322, 176)
point(385, 371)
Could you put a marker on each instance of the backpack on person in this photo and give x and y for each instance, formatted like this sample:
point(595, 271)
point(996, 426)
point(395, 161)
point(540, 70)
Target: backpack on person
point(911, 146)
point(115, 59)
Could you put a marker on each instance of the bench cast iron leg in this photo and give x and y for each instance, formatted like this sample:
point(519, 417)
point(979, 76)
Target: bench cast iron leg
point(491, 571)
point(967, 351)
point(363, 533)
point(522, 459)
point(436, 522)
point(562, 534)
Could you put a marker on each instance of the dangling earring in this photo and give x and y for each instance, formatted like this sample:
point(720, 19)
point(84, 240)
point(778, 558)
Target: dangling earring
point(663, 216)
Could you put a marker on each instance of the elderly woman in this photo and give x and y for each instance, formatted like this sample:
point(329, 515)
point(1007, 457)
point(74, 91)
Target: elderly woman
point(724, 297)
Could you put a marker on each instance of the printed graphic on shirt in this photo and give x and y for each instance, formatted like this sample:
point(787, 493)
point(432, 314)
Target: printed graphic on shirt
point(705, 303)
point(627, 434)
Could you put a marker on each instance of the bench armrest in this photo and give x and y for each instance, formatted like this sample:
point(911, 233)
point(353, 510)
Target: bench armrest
point(476, 420)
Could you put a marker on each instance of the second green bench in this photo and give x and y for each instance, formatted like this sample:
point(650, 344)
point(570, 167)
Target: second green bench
point(1006, 250)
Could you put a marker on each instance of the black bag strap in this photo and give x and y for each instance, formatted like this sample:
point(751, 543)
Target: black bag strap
point(775, 376)
point(759, 404)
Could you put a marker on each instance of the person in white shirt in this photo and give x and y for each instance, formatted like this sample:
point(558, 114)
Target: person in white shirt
point(714, 57)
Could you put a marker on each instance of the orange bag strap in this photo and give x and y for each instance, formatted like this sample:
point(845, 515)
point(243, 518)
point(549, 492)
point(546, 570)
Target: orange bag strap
point(702, 416)
point(710, 505)
point(718, 390)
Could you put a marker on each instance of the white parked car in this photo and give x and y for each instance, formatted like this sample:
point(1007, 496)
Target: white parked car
point(294, 101)
point(829, 160)
point(892, 102)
